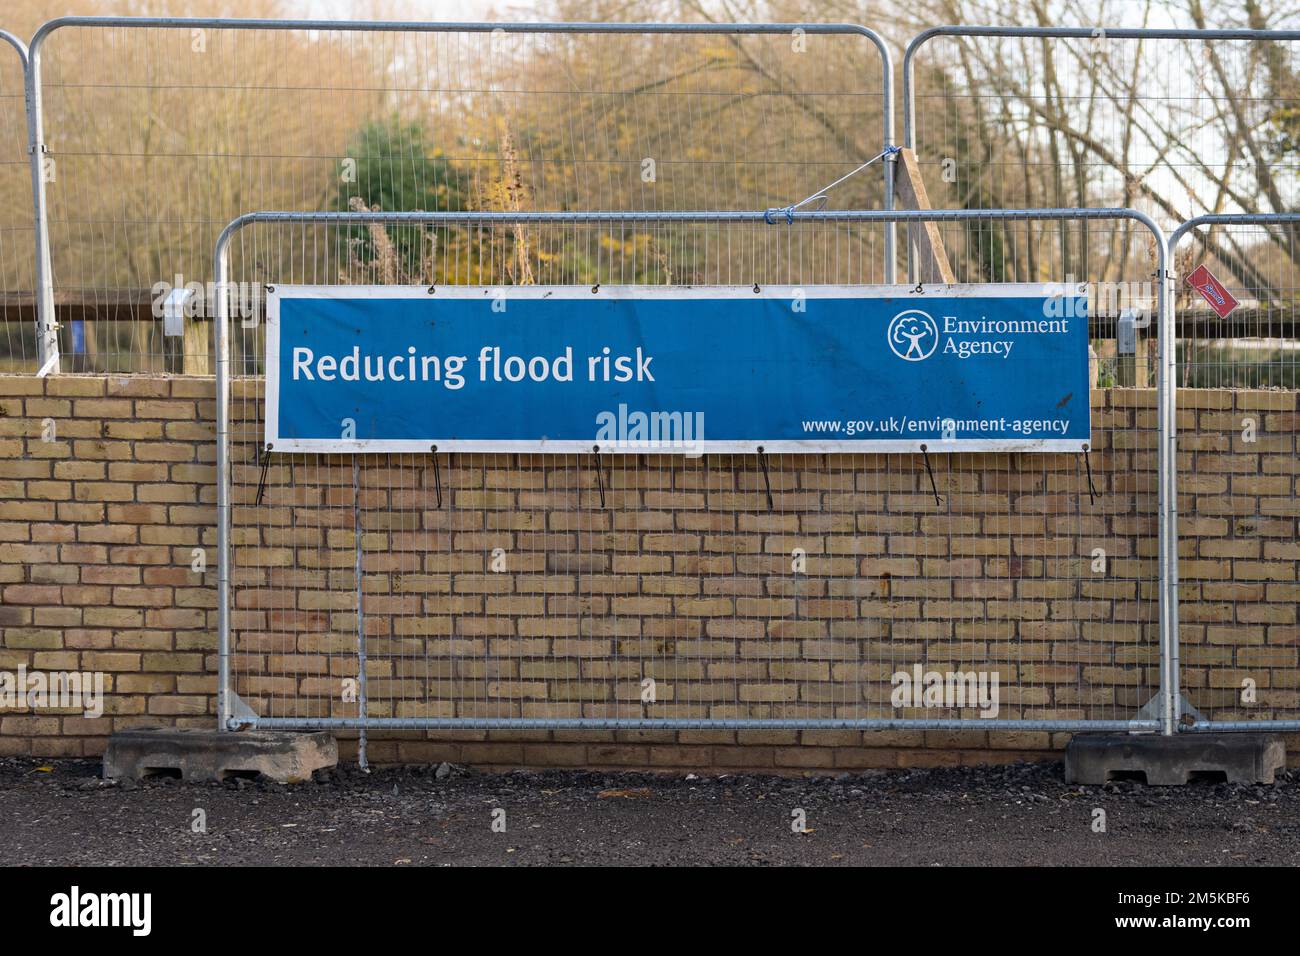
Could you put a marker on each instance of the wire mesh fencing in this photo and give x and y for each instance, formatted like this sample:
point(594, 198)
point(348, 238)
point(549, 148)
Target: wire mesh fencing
point(17, 238)
point(1176, 122)
point(194, 122)
point(1041, 569)
point(478, 590)
point(1239, 477)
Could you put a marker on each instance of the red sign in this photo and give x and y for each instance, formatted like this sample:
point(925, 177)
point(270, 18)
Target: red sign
point(1213, 291)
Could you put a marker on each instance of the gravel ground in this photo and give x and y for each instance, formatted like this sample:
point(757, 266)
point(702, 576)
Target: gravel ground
point(60, 812)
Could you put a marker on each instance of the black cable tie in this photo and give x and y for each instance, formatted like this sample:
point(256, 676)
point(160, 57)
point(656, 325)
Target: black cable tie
point(437, 476)
point(261, 482)
point(1087, 463)
point(767, 482)
point(925, 450)
point(600, 475)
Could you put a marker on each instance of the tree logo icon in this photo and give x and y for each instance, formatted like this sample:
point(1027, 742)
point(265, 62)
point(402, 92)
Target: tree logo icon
point(913, 335)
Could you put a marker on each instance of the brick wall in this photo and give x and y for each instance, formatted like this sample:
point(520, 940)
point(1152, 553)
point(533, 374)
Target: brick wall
point(96, 531)
point(682, 574)
point(1239, 550)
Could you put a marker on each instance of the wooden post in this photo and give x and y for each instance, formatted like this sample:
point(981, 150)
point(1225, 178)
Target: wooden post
point(1130, 351)
point(197, 331)
point(909, 192)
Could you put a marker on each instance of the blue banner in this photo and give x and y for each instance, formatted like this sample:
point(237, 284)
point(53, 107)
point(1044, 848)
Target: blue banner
point(639, 369)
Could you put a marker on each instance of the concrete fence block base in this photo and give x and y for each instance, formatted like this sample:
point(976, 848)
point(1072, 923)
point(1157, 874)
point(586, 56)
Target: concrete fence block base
point(206, 755)
point(1096, 759)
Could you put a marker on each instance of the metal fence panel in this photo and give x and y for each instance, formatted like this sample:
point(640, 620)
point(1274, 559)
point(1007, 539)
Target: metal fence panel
point(473, 590)
point(1239, 477)
point(1176, 122)
point(196, 121)
point(17, 243)
point(684, 580)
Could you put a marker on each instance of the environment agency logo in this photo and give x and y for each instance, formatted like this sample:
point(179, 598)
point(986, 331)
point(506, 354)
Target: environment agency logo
point(913, 335)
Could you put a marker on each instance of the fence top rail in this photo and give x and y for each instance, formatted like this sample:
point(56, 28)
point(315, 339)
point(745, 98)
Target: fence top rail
point(1084, 33)
point(1231, 219)
point(1101, 33)
point(485, 218)
point(451, 26)
point(17, 44)
point(782, 217)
